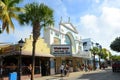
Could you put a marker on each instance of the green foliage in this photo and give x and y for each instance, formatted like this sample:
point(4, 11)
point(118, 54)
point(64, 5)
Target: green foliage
point(115, 57)
point(37, 13)
point(104, 53)
point(8, 10)
point(115, 45)
point(94, 50)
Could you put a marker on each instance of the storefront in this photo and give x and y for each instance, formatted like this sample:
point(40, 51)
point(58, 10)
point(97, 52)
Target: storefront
point(62, 55)
point(43, 59)
point(86, 58)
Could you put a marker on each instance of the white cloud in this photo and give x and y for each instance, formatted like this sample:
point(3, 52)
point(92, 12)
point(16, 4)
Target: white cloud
point(97, 1)
point(111, 16)
point(90, 23)
point(103, 28)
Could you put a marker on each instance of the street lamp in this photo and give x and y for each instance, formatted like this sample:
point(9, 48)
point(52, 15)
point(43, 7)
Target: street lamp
point(100, 54)
point(0, 30)
point(21, 43)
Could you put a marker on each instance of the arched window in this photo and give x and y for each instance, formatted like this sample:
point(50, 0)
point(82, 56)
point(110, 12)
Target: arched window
point(67, 39)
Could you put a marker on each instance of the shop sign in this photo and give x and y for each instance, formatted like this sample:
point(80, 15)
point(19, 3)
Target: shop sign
point(84, 54)
point(61, 50)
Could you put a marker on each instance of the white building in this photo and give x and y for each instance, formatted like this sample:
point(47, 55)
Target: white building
point(66, 37)
point(88, 44)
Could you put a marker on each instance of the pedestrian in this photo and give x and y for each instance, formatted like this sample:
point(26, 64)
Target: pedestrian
point(62, 69)
point(29, 70)
point(66, 70)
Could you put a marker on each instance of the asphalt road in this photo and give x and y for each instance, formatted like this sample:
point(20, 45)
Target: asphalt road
point(106, 74)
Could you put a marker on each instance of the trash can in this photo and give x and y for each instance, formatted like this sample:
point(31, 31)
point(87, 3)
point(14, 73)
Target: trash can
point(13, 76)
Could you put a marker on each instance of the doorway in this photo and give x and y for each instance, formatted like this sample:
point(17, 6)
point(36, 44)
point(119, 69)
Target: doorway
point(45, 67)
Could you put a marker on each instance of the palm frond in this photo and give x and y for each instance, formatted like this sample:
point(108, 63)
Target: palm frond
point(14, 16)
point(9, 11)
point(16, 9)
point(14, 2)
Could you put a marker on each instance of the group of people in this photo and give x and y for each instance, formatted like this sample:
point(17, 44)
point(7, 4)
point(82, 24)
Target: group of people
point(86, 67)
point(64, 70)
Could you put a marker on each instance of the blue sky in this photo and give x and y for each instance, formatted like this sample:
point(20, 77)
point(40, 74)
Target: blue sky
point(96, 19)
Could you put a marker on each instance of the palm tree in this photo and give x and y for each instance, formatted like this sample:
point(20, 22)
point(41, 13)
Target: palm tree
point(40, 16)
point(100, 54)
point(8, 10)
point(105, 53)
point(94, 51)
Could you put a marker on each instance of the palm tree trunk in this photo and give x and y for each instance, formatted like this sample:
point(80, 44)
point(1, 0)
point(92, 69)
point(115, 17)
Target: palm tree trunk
point(36, 34)
point(33, 60)
point(99, 63)
point(94, 64)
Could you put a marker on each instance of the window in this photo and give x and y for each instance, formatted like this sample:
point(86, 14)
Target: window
point(67, 39)
point(84, 43)
point(57, 34)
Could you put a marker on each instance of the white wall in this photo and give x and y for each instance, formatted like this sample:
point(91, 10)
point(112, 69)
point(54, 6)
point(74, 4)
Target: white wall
point(49, 35)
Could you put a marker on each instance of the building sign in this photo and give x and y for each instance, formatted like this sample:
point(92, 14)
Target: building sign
point(84, 54)
point(61, 50)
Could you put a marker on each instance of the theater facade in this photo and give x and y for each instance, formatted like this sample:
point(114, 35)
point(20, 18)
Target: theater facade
point(66, 45)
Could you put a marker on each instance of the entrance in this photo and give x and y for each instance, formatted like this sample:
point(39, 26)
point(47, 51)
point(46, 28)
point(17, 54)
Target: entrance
point(45, 66)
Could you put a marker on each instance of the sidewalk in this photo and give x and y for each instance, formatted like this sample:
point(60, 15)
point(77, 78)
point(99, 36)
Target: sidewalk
point(72, 76)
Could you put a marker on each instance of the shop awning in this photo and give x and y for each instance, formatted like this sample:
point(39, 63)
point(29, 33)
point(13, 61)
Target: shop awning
point(3, 46)
point(37, 54)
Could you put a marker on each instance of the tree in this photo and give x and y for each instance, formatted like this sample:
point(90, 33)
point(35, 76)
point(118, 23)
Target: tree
point(115, 45)
point(8, 10)
point(110, 55)
point(105, 53)
point(100, 54)
point(40, 16)
point(94, 51)
point(115, 57)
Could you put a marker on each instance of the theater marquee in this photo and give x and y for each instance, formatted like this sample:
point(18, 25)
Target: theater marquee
point(61, 50)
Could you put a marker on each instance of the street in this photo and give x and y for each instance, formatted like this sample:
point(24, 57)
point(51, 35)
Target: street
point(106, 74)
point(101, 75)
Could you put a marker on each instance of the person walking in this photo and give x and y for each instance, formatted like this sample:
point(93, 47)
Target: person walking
point(66, 70)
point(62, 70)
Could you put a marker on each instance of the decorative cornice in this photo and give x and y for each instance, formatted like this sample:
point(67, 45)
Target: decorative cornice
point(69, 28)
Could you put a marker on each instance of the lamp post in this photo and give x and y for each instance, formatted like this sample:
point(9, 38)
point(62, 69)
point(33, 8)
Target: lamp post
point(100, 55)
point(100, 49)
point(21, 43)
point(0, 30)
